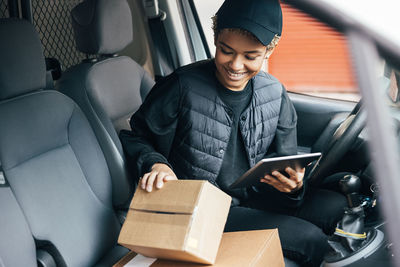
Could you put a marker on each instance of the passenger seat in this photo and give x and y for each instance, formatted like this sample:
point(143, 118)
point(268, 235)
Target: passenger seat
point(53, 164)
point(17, 247)
point(109, 88)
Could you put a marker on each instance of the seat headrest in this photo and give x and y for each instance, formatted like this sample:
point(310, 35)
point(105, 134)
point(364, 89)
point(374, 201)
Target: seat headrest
point(102, 26)
point(22, 63)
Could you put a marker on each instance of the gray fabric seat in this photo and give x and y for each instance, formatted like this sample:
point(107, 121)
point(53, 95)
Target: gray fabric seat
point(108, 88)
point(53, 163)
point(17, 247)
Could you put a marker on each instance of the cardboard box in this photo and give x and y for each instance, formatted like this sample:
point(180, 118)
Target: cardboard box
point(240, 249)
point(182, 221)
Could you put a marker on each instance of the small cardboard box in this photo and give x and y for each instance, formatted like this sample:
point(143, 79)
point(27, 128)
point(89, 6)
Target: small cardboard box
point(182, 221)
point(237, 249)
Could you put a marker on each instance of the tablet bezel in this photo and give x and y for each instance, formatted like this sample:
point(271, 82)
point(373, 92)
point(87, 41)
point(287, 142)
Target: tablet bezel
point(268, 165)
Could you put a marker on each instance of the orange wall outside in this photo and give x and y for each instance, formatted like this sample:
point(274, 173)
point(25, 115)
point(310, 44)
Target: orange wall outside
point(311, 56)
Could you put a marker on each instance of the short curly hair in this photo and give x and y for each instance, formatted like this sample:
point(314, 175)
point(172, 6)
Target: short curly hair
point(270, 46)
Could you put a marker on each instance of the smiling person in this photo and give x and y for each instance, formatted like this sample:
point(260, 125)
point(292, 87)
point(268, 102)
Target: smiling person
point(217, 118)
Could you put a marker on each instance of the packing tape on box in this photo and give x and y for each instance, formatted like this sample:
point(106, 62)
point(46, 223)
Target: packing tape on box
point(140, 261)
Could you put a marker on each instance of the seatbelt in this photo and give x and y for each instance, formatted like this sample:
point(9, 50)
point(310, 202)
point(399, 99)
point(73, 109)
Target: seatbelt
point(162, 51)
point(3, 180)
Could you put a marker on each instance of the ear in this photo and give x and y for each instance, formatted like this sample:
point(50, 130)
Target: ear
point(269, 52)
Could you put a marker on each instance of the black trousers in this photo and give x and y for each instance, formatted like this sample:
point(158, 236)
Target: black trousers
point(303, 231)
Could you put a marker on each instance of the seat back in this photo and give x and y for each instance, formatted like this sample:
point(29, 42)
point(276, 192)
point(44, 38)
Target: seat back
point(114, 84)
point(51, 157)
point(108, 88)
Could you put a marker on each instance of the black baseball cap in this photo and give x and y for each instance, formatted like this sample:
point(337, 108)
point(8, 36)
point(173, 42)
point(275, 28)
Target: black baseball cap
point(263, 18)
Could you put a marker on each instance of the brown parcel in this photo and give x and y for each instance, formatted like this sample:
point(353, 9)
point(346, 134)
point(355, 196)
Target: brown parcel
point(240, 249)
point(182, 221)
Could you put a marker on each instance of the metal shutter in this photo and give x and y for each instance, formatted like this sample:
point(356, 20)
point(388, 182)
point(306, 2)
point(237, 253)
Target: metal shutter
point(311, 57)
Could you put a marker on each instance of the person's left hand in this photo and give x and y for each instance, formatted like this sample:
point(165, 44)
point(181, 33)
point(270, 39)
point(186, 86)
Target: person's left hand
point(285, 184)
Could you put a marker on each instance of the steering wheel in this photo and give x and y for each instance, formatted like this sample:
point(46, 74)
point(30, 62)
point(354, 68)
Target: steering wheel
point(339, 144)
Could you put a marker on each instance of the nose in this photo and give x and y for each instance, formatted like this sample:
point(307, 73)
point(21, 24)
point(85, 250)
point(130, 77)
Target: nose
point(236, 63)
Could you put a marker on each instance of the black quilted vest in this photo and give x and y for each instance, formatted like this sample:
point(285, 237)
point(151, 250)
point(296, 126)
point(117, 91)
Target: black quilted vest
point(204, 123)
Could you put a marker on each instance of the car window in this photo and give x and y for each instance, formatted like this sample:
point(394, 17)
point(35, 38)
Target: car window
point(205, 10)
point(311, 58)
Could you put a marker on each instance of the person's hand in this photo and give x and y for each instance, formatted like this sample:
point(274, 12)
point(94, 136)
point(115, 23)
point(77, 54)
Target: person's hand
point(159, 174)
point(285, 184)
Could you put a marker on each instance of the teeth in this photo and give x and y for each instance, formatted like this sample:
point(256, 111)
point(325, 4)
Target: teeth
point(235, 74)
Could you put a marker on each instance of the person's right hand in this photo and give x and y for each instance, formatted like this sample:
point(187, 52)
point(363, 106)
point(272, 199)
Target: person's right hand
point(159, 174)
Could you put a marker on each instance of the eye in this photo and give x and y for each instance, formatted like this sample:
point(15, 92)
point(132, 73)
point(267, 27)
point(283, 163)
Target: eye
point(225, 51)
point(250, 58)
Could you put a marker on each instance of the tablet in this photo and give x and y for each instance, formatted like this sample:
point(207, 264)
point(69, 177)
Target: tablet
point(267, 166)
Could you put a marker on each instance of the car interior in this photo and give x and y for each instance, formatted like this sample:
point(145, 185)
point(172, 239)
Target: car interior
point(73, 72)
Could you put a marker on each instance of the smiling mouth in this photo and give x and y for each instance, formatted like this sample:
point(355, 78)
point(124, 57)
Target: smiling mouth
point(235, 75)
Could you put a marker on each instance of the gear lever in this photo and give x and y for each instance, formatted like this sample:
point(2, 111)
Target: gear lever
point(350, 234)
point(350, 242)
point(350, 185)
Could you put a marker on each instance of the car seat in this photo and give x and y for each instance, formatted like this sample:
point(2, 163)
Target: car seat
point(109, 88)
point(53, 165)
point(15, 236)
